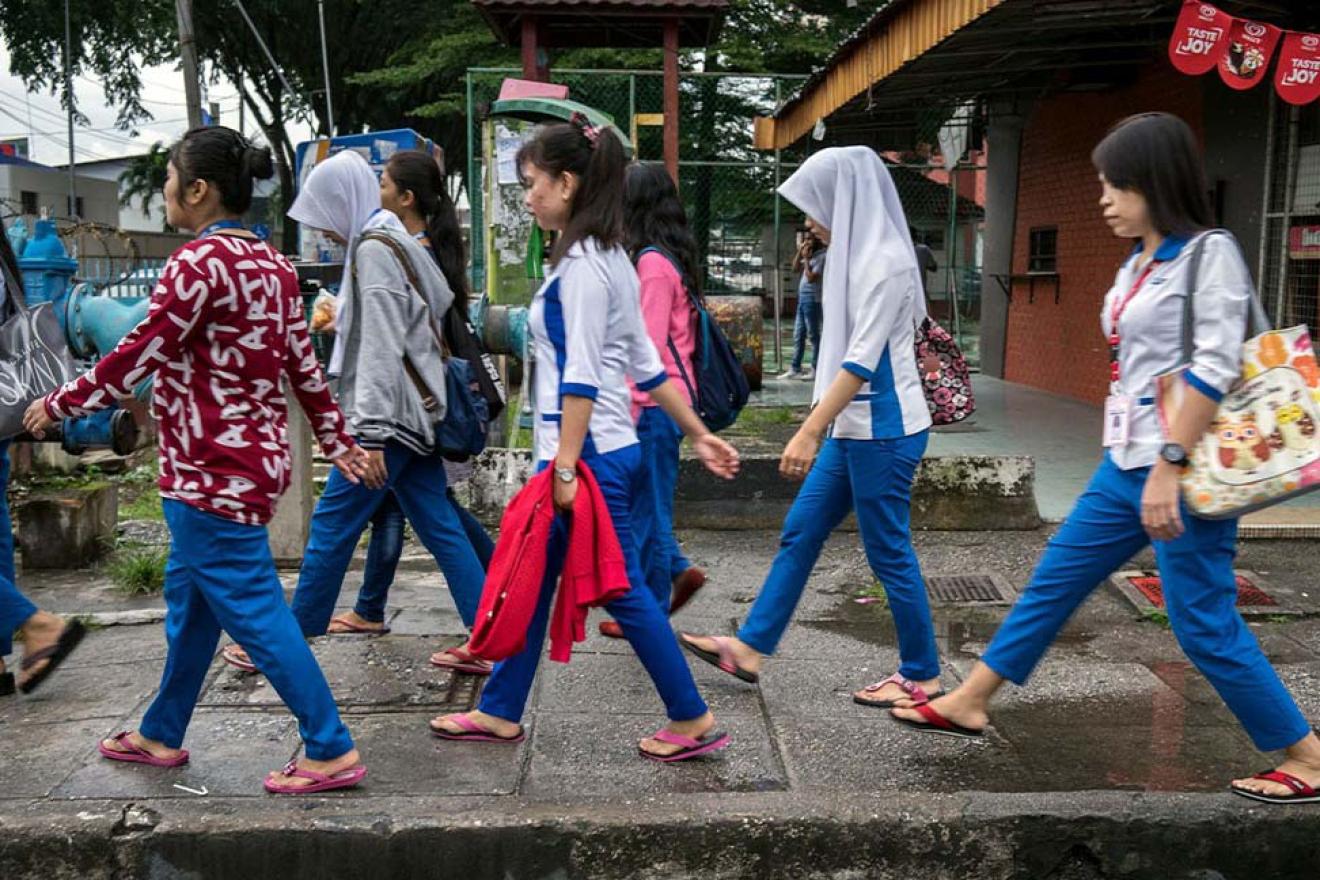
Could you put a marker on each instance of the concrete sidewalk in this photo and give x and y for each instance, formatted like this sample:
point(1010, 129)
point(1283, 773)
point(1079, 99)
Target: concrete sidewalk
point(1112, 763)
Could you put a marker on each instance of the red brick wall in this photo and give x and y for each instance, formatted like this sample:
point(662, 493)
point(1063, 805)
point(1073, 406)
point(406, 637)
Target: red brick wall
point(1060, 348)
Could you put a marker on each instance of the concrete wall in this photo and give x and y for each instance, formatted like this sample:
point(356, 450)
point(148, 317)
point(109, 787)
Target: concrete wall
point(100, 197)
point(1001, 195)
point(1236, 128)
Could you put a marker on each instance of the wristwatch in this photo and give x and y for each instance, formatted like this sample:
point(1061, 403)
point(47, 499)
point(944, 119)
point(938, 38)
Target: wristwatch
point(566, 475)
point(1175, 454)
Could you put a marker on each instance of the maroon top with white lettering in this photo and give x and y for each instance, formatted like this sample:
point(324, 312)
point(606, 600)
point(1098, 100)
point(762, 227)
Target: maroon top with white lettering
point(225, 323)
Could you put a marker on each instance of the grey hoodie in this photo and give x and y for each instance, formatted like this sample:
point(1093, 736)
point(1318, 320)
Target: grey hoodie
point(381, 319)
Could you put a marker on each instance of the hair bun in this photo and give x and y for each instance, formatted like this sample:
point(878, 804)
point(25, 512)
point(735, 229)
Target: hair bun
point(258, 162)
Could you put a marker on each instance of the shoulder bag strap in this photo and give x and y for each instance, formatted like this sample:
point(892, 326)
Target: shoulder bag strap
point(428, 399)
point(1257, 321)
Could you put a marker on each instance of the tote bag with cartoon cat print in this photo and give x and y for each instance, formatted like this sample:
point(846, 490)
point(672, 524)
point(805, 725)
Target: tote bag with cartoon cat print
point(1264, 444)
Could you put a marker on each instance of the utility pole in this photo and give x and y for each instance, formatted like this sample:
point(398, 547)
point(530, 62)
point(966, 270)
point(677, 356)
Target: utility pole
point(68, 98)
point(188, 53)
point(325, 66)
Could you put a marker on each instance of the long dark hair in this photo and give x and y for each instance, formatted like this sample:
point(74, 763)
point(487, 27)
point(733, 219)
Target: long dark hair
point(416, 172)
point(653, 216)
point(597, 207)
point(224, 159)
point(1156, 154)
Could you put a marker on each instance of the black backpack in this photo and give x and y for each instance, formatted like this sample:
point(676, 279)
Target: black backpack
point(721, 390)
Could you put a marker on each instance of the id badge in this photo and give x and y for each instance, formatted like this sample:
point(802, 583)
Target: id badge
point(1118, 420)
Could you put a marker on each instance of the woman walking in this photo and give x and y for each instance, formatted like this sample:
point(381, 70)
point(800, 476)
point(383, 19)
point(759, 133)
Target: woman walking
point(589, 337)
point(869, 411)
point(658, 240)
point(225, 325)
point(1153, 190)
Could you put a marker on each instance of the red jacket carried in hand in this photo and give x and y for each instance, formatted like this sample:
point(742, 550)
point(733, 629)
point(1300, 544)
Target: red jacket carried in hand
point(595, 572)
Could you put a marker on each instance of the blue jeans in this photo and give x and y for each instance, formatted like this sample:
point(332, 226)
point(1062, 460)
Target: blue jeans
point(342, 514)
point(644, 622)
point(653, 507)
point(15, 608)
point(221, 575)
point(807, 323)
point(386, 546)
point(1200, 591)
point(873, 477)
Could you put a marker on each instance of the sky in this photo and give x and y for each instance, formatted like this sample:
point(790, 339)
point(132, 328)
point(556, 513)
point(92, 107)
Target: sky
point(41, 116)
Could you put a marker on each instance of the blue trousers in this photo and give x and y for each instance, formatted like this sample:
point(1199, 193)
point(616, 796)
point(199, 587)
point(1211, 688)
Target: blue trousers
point(873, 477)
point(15, 608)
point(221, 575)
point(653, 506)
point(1200, 593)
point(644, 622)
point(806, 324)
point(342, 514)
point(386, 546)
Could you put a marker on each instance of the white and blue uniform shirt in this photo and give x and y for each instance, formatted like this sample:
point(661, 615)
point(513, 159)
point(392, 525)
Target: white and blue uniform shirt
point(588, 339)
point(872, 335)
point(1150, 332)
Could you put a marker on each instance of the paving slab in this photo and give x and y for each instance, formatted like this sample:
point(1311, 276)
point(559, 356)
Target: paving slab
point(105, 646)
point(40, 756)
point(597, 755)
point(76, 694)
point(612, 684)
point(402, 757)
point(230, 753)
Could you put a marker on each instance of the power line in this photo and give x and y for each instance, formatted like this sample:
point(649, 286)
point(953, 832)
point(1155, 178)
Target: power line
point(106, 132)
point(57, 137)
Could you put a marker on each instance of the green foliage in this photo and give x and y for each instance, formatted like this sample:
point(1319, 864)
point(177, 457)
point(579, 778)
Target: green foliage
point(1157, 616)
point(144, 178)
point(137, 569)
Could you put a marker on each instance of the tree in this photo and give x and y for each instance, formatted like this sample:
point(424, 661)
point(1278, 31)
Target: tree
point(144, 178)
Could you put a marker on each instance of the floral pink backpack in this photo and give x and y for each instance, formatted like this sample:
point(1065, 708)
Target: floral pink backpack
point(944, 374)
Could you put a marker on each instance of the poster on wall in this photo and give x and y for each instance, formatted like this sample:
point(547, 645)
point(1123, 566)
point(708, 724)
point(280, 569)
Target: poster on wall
point(1304, 243)
point(1199, 37)
point(1298, 78)
point(1248, 53)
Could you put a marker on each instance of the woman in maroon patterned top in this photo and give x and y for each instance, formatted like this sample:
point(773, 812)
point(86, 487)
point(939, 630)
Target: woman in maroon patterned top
point(224, 327)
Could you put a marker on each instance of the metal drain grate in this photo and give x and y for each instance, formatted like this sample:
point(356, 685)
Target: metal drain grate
point(964, 589)
point(1144, 590)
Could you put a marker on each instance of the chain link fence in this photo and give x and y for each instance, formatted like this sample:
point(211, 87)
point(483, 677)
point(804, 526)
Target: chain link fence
point(1289, 269)
point(746, 233)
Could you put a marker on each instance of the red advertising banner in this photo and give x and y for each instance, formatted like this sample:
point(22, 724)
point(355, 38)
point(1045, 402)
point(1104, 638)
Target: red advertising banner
point(1304, 243)
point(1251, 46)
point(1200, 37)
point(1298, 79)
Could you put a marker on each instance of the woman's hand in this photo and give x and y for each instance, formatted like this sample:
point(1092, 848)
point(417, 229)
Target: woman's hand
point(36, 420)
point(1159, 503)
point(719, 457)
point(799, 454)
point(564, 494)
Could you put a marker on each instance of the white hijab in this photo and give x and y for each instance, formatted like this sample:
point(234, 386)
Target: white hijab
point(849, 191)
point(342, 195)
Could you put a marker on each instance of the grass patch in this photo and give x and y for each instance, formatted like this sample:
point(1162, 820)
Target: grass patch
point(754, 417)
point(138, 570)
point(1157, 616)
point(145, 506)
point(874, 594)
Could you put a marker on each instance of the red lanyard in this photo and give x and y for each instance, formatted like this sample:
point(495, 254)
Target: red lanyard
point(1117, 312)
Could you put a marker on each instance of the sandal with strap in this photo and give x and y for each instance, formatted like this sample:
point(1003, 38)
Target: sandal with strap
point(351, 628)
point(464, 661)
point(690, 747)
point(133, 753)
point(473, 732)
point(937, 723)
point(320, 781)
point(1301, 792)
point(722, 658)
point(236, 657)
point(54, 655)
point(911, 688)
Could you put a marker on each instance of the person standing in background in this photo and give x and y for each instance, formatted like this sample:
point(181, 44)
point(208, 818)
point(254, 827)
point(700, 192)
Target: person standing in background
point(810, 261)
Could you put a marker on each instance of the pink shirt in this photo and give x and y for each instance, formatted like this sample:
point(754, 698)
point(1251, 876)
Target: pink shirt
point(668, 316)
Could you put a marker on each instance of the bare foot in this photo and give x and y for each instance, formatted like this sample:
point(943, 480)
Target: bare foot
point(500, 727)
point(346, 761)
point(155, 748)
point(40, 631)
point(352, 622)
point(954, 706)
point(747, 658)
point(1303, 770)
point(895, 694)
point(696, 728)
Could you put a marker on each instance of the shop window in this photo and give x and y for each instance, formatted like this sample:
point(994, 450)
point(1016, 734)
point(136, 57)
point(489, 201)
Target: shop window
point(29, 200)
point(1043, 250)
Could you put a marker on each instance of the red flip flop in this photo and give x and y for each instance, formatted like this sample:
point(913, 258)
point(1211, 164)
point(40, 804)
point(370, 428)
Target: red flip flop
point(320, 781)
point(690, 748)
point(909, 687)
point(236, 661)
point(937, 723)
point(464, 661)
point(135, 754)
point(352, 628)
point(1301, 792)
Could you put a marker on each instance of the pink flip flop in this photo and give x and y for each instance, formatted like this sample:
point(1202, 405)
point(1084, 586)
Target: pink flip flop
point(909, 687)
point(134, 754)
point(320, 781)
point(236, 661)
point(473, 732)
point(722, 659)
point(691, 748)
point(351, 628)
point(464, 661)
